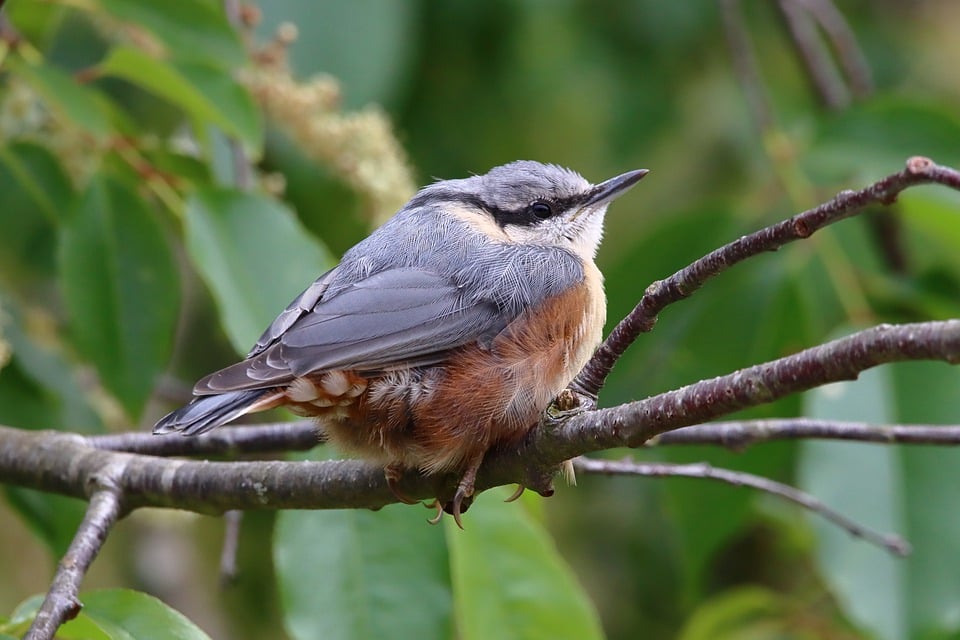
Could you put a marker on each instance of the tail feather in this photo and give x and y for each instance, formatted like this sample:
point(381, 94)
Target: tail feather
point(208, 412)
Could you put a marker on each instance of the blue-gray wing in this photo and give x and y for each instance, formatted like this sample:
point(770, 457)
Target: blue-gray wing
point(302, 305)
point(405, 316)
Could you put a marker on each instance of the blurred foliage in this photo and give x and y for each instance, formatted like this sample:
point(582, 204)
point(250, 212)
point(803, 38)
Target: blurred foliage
point(136, 256)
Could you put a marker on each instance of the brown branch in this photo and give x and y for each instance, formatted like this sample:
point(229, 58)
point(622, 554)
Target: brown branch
point(817, 59)
point(683, 283)
point(850, 55)
point(634, 423)
point(62, 602)
point(63, 463)
point(738, 435)
point(72, 465)
point(891, 542)
point(242, 170)
point(231, 545)
point(745, 64)
point(231, 441)
point(303, 435)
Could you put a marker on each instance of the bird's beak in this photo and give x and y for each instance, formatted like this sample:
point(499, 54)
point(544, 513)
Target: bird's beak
point(609, 190)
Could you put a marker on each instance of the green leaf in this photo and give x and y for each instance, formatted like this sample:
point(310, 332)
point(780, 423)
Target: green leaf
point(926, 392)
point(123, 614)
point(121, 289)
point(239, 115)
point(740, 614)
point(80, 104)
point(359, 574)
point(864, 483)
point(37, 22)
point(875, 138)
point(910, 490)
point(39, 389)
point(206, 93)
point(36, 195)
point(509, 580)
point(197, 30)
point(933, 217)
point(80, 628)
point(254, 256)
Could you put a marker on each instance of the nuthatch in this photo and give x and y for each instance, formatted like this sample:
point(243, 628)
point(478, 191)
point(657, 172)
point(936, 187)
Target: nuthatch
point(445, 333)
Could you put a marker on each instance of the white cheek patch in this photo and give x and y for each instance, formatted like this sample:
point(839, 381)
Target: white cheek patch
point(580, 234)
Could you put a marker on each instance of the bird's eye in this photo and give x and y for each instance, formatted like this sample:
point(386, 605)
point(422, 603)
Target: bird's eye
point(541, 209)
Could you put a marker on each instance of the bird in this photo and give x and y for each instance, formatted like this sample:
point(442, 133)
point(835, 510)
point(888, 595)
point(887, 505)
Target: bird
point(443, 335)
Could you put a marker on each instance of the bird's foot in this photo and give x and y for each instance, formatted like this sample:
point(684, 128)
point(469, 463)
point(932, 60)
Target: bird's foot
point(393, 472)
point(463, 496)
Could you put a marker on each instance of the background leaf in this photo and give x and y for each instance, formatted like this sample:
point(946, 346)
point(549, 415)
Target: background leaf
point(75, 102)
point(384, 574)
point(121, 290)
point(123, 614)
point(902, 489)
point(865, 483)
point(508, 579)
point(197, 31)
point(254, 256)
point(203, 94)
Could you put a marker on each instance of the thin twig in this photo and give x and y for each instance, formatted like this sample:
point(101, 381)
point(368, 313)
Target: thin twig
point(242, 171)
point(231, 544)
point(683, 283)
point(63, 463)
point(745, 64)
point(817, 59)
point(738, 435)
point(302, 435)
point(849, 53)
point(62, 601)
point(891, 542)
point(634, 423)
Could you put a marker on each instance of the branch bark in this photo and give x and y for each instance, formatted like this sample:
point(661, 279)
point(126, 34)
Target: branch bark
point(115, 475)
point(701, 470)
point(64, 463)
point(738, 435)
point(683, 283)
point(61, 602)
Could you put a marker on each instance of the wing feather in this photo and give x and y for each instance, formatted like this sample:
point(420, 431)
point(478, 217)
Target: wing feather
point(404, 316)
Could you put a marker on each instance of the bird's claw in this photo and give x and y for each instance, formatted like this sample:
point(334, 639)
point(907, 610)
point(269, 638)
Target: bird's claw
point(435, 504)
point(393, 473)
point(516, 494)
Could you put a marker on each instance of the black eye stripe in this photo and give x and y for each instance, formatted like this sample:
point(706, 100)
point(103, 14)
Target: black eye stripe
point(524, 216)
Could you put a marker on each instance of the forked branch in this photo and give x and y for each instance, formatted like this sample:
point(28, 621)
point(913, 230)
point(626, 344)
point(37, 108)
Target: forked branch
point(683, 283)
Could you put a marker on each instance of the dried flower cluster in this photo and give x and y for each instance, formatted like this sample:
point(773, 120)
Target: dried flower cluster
point(359, 147)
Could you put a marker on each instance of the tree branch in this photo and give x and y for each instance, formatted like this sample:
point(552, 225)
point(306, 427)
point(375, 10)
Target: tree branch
point(817, 59)
point(683, 283)
point(737, 435)
point(302, 435)
point(634, 423)
point(112, 472)
point(745, 64)
point(845, 45)
point(889, 541)
point(63, 463)
point(62, 602)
